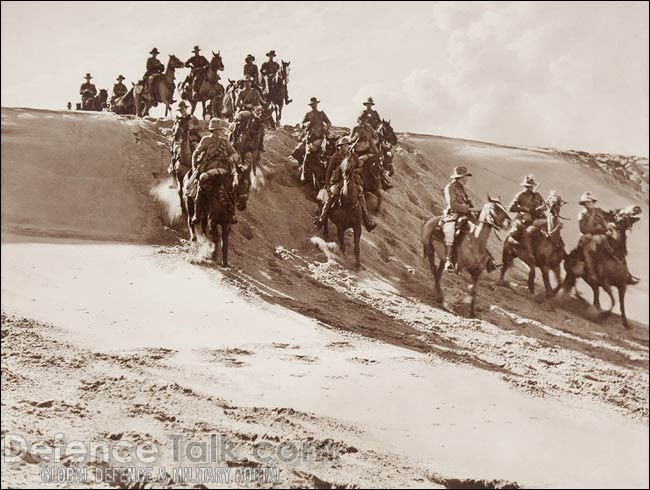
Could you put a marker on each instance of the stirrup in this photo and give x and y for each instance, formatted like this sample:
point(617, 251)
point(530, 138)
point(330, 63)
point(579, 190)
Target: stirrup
point(449, 266)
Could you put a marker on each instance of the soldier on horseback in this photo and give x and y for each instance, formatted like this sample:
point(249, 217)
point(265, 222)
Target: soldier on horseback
point(334, 182)
point(87, 90)
point(370, 115)
point(248, 100)
point(250, 70)
point(366, 143)
point(197, 64)
point(459, 209)
point(185, 126)
point(213, 162)
point(119, 89)
point(154, 68)
point(530, 208)
point(269, 70)
point(315, 125)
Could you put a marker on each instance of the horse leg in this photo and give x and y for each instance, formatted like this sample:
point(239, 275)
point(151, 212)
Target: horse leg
point(558, 279)
point(506, 262)
point(215, 236)
point(326, 230)
point(621, 302)
point(472, 295)
point(190, 225)
point(357, 248)
point(340, 231)
point(225, 232)
point(203, 109)
point(531, 278)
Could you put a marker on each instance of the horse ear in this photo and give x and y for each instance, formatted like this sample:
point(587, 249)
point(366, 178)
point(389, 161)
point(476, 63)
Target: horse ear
point(214, 54)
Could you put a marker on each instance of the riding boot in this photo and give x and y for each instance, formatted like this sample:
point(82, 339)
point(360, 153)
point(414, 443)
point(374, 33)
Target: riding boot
point(632, 280)
point(368, 223)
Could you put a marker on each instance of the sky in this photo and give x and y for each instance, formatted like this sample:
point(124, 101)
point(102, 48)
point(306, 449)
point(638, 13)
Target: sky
point(568, 75)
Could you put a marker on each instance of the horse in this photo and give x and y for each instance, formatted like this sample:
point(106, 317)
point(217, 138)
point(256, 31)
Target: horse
point(125, 104)
point(547, 251)
point(609, 261)
point(371, 178)
point(347, 214)
point(471, 247)
point(209, 89)
point(164, 83)
point(219, 210)
point(277, 90)
point(95, 103)
point(250, 139)
point(230, 99)
point(181, 155)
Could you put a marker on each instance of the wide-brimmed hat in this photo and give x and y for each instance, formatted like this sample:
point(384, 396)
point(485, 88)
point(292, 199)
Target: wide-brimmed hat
point(120, 78)
point(529, 181)
point(587, 197)
point(369, 101)
point(344, 140)
point(88, 76)
point(250, 57)
point(182, 105)
point(271, 53)
point(154, 51)
point(460, 172)
point(215, 124)
point(196, 49)
point(313, 101)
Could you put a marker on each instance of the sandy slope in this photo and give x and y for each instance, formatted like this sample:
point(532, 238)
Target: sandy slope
point(290, 344)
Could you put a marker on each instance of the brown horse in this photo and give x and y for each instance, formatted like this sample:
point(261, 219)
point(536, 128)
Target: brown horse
point(278, 90)
point(471, 248)
point(609, 261)
point(347, 214)
point(219, 210)
point(387, 139)
point(209, 90)
point(547, 247)
point(163, 83)
point(250, 139)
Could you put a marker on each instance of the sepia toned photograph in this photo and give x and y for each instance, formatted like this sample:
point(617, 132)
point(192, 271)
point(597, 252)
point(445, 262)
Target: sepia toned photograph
point(325, 244)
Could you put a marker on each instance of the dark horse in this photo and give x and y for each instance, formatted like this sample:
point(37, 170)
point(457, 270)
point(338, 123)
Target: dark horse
point(94, 103)
point(547, 247)
point(347, 214)
point(387, 139)
point(471, 246)
point(218, 209)
point(278, 90)
point(161, 89)
point(609, 261)
point(250, 139)
point(209, 89)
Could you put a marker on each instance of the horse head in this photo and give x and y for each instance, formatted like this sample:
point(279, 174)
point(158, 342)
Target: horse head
point(494, 213)
point(216, 63)
point(285, 69)
point(242, 186)
point(386, 132)
point(174, 63)
point(625, 218)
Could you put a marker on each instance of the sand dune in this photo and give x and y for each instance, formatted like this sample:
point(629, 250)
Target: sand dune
point(132, 341)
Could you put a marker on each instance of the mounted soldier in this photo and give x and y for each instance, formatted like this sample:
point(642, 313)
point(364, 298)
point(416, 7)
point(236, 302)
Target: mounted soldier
point(213, 163)
point(250, 70)
point(197, 64)
point(154, 69)
point(248, 100)
point(269, 71)
point(186, 126)
point(459, 209)
point(366, 141)
point(87, 90)
point(315, 126)
point(119, 89)
point(371, 115)
point(593, 225)
point(530, 208)
point(334, 182)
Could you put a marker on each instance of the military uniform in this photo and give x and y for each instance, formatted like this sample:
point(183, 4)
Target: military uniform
point(196, 64)
point(268, 70)
point(248, 98)
point(372, 117)
point(119, 90)
point(250, 70)
point(458, 206)
point(154, 66)
point(317, 124)
point(366, 138)
point(88, 87)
